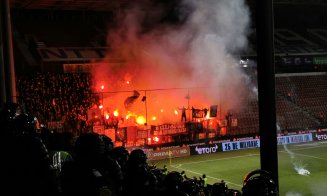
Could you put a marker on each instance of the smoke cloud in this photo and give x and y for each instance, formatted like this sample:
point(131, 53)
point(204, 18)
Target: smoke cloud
point(178, 53)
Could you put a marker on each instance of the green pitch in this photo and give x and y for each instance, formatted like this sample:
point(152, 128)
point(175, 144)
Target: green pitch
point(310, 159)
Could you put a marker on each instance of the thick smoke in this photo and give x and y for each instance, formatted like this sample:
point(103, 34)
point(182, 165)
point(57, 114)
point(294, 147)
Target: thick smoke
point(181, 52)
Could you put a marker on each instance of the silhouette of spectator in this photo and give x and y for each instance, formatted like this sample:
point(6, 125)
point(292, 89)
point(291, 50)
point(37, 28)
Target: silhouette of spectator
point(139, 180)
point(27, 167)
point(173, 184)
point(183, 114)
point(110, 168)
point(205, 112)
point(82, 176)
point(121, 155)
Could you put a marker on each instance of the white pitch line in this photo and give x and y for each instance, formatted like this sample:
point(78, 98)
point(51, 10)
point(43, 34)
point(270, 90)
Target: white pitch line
point(226, 158)
point(307, 156)
point(312, 146)
point(190, 171)
point(305, 148)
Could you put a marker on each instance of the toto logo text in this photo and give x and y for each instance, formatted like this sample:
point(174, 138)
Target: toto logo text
point(206, 150)
point(322, 137)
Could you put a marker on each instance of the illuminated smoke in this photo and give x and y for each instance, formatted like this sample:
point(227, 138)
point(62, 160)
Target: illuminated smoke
point(183, 47)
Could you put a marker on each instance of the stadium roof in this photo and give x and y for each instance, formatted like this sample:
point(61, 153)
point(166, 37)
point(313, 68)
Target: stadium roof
point(107, 5)
point(96, 5)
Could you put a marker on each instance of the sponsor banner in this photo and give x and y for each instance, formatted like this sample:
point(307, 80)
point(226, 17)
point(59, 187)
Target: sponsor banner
point(322, 60)
point(168, 153)
point(245, 138)
point(196, 144)
point(320, 137)
point(221, 141)
point(239, 145)
point(205, 149)
point(294, 139)
point(255, 143)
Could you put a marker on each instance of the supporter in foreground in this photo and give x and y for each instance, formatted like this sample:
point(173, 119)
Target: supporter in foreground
point(82, 176)
point(26, 164)
point(259, 183)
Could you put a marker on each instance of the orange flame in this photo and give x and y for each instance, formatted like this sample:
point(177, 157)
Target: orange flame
point(116, 113)
point(140, 120)
point(156, 139)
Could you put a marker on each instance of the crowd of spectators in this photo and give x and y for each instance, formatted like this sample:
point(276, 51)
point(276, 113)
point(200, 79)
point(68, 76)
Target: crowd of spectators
point(52, 97)
point(61, 164)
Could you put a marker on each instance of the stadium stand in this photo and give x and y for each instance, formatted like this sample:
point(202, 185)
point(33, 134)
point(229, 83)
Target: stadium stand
point(46, 92)
point(57, 98)
point(298, 106)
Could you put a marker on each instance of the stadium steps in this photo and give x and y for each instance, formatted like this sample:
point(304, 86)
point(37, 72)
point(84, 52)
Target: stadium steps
point(297, 107)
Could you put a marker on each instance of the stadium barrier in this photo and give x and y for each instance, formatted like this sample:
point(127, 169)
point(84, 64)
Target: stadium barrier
point(225, 146)
point(255, 143)
point(294, 139)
